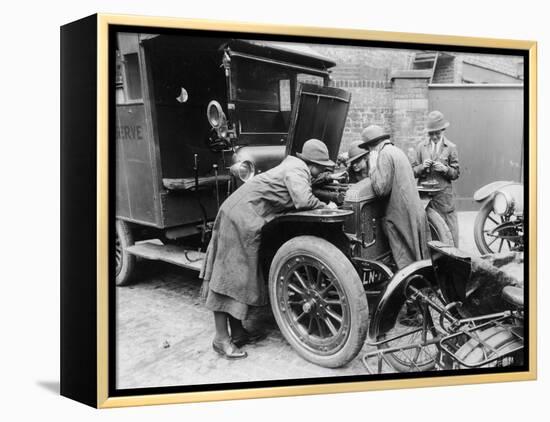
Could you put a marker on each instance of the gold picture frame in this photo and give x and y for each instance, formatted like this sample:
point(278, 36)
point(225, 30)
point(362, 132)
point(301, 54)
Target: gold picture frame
point(76, 338)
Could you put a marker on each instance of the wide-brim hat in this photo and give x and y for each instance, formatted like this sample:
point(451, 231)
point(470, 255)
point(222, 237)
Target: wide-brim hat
point(436, 121)
point(316, 152)
point(355, 152)
point(373, 134)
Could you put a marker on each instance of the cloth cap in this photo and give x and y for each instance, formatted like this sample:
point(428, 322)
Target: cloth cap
point(355, 152)
point(316, 152)
point(436, 121)
point(372, 134)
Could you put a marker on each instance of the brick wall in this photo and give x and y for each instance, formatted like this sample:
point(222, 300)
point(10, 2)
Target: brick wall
point(445, 71)
point(364, 63)
point(385, 93)
point(371, 103)
point(410, 108)
point(366, 73)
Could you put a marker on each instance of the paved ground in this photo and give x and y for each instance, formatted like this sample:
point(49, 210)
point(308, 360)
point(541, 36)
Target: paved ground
point(164, 334)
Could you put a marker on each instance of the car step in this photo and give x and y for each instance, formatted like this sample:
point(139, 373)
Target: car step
point(173, 254)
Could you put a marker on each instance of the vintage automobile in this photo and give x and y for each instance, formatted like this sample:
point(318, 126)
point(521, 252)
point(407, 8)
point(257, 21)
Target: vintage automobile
point(456, 311)
point(499, 223)
point(195, 117)
point(195, 127)
point(324, 265)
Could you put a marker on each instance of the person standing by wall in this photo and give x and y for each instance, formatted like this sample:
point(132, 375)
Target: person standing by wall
point(437, 159)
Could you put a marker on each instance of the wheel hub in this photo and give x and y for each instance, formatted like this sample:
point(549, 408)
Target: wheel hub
point(313, 305)
point(309, 305)
point(313, 301)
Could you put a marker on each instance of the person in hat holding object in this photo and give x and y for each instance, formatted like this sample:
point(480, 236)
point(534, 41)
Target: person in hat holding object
point(405, 220)
point(233, 279)
point(357, 162)
point(437, 159)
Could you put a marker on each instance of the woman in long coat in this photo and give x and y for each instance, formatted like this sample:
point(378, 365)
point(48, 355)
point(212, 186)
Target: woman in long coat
point(231, 269)
point(405, 221)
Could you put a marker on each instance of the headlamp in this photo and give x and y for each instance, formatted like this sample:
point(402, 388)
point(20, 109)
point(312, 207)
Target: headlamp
point(244, 170)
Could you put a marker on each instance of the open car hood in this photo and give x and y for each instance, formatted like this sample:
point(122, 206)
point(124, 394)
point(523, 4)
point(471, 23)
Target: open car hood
point(320, 113)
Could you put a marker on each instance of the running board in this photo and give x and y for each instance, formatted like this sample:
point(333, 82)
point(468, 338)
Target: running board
point(177, 255)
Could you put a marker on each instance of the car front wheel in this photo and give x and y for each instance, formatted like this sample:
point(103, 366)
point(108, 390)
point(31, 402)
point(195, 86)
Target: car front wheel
point(318, 301)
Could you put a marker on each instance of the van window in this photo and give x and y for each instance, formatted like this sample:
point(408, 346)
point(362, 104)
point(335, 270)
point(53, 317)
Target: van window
point(133, 78)
point(264, 94)
point(128, 78)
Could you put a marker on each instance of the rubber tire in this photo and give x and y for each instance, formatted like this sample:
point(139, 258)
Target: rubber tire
point(439, 226)
point(344, 271)
point(499, 338)
point(124, 234)
point(479, 223)
point(397, 364)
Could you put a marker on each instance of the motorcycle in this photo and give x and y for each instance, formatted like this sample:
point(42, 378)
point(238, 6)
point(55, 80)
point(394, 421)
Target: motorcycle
point(455, 311)
point(499, 224)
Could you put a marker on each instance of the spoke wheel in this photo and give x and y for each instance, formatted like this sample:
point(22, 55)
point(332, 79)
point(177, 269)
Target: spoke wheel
point(318, 301)
point(314, 305)
point(490, 241)
point(417, 324)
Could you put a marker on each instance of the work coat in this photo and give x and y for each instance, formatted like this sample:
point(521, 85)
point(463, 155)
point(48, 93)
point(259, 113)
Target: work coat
point(443, 202)
point(405, 220)
point(231, 266)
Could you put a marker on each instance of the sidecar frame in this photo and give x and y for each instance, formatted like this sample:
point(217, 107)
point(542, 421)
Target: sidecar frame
point(458, 331)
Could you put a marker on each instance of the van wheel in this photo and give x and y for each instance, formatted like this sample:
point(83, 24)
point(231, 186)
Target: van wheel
point(318, 301)
point(125, 261)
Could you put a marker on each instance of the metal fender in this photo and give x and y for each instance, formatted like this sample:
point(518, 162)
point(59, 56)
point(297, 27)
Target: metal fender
point(487, 190)
point(393, 297)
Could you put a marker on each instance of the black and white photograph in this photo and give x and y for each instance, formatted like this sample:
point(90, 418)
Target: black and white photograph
point(309, 210)
point(231, 211)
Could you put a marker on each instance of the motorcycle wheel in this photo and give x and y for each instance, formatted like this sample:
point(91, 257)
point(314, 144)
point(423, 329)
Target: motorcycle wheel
point(414, 326)
point(492, 342)
point(486, 220)
point(318, 301)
